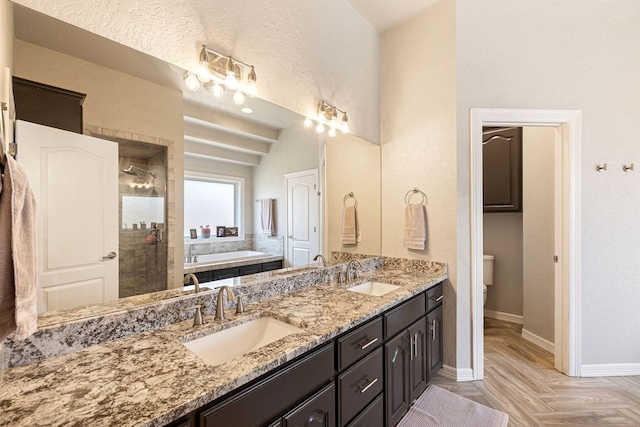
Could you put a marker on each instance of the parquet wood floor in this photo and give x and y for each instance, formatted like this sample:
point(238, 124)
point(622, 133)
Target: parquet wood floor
point(520, 379)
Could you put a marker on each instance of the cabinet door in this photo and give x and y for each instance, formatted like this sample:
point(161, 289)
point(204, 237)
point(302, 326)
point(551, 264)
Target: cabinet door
point(418, 374)
point(502, 169)
point(226, 273)
point(250, 269)
point(396, 369)
point(317, 411)
point(434, 341)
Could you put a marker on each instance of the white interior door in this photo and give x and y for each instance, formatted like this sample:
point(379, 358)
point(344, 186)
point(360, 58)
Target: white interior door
point(302, 217)
point(75, 182)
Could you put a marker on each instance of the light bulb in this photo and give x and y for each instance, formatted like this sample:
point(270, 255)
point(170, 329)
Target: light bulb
point(320, 128)
point(238, 97)
point(132, 185)
point(252, 89)
point(203, 73)
point(345, 124)
point(332, 132)
point(308, 122)
point(191, 82)
point(231, 82)
point(334, 119)
point(217, 90)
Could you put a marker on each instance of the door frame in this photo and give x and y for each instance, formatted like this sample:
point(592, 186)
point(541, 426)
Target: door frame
point(568, 292)
point(287, 176)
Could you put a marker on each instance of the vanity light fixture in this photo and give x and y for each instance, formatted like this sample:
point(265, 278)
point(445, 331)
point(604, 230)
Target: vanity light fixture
point(216, 70)
point(327, 116)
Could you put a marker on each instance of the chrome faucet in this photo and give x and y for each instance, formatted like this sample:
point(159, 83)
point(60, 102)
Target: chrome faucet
point(352, 272)
point(324, 261)
point(189, 259)
point(189, 278)
point(220, 302)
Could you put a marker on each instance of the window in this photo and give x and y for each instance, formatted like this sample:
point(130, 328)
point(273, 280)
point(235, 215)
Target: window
point(213, 200)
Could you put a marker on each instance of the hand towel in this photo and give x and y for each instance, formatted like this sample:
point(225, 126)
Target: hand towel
point(18, 281)
point(415, 227)
point(349, 225)
point(266, 217)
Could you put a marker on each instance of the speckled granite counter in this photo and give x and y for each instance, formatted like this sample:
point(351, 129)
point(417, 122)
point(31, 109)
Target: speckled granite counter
point(151, 379)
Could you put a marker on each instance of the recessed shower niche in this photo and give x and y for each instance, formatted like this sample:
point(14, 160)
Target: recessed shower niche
point(142, 188)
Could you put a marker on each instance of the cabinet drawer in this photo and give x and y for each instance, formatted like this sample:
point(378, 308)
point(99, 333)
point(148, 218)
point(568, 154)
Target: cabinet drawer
point(273, 265)
point(372, 416)
point(266, 399)
point(434, 297)
point(226, 273)
point(401, 317)
point(250, 269)
point(319, 410)
point(359, 343)
point(359, 385)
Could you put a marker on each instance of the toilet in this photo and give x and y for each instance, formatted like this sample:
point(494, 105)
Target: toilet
point(487, 275)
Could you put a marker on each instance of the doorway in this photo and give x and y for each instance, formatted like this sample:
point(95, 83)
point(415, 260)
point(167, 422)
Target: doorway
point(303, 236)
point(567, 241)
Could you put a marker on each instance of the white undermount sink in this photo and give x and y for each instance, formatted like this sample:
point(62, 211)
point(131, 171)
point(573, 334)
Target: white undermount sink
point(218, 347)
point(373, 288)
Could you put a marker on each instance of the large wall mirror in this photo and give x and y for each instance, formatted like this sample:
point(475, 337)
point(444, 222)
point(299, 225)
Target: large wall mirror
point(136, 99)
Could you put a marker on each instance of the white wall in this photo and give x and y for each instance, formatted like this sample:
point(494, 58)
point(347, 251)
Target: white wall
point(419, 150)
point(574, 54)
point(303, 51)
point(538, 231)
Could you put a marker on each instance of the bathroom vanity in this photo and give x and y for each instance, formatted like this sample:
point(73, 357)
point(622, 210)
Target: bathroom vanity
point(359, 360)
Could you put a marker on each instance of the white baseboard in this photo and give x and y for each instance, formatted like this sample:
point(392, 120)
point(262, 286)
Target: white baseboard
point(455, 374)
point(507, 317)
point(610, 370)
point(539, 341)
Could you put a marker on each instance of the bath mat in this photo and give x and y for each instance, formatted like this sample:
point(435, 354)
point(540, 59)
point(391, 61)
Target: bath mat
point(438, 407)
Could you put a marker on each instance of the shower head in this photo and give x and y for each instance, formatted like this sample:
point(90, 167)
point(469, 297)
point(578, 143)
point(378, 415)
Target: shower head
point(130, 171)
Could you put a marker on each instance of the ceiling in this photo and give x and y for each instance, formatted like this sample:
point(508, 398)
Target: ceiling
point(384, 14)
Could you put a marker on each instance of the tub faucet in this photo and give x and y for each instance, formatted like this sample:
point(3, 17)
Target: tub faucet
point(191, 278)
point(220, 302)
point(351, 271)
point(324, 261)
point(189, 259)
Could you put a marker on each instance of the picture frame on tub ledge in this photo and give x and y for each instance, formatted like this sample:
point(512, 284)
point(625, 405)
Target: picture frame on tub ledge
point(193, 233)
point(220, 231)
point(231, 231)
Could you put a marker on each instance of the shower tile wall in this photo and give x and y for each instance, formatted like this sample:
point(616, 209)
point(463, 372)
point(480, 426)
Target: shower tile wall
point(142, 267)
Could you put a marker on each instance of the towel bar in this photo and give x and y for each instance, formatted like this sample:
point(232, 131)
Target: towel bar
point(410, 193)
point(350, 196)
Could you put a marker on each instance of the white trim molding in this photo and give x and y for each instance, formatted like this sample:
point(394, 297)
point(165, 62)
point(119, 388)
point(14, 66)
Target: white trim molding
point(455, 374)
point(539, 341)
point(505, 317)
point(568, 346)
point(610, 370)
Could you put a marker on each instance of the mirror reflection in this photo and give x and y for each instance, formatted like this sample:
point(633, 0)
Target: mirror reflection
point(284, 169)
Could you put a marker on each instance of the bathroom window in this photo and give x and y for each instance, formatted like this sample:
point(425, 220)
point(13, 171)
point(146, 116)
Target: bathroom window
point(213, 200)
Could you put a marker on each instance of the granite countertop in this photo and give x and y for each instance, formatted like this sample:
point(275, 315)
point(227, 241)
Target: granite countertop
point(151, 379)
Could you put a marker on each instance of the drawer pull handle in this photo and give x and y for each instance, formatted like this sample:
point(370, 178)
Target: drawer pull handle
point(368, 386)
point(433, 330)
point(439, 298)
point(368, 344)
point(412, 343)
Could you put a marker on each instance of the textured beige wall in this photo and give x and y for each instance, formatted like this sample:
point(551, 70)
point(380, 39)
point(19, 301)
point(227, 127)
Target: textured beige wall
point(115, 101)
point(538, 231)
point(353, 166)
point(303, 51)
point(503, 239)
point(419, 150)
point(573, 54)
point(6, 45)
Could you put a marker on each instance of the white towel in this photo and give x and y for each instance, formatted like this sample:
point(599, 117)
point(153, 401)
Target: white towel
point(349, 225)
point(415, 227)
point(18, 281)
point(266, 217)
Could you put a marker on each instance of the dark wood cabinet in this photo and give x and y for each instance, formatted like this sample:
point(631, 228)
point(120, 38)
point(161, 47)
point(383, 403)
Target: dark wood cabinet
point(358, 343)
point(435, 341)
point(317, 411)
point(249, 269)
point(225, 273)
point(270, 266)
point(244, 270)
point(395, 390)
point(502, 169)
point(48, 105)
point(372, 416)
point(418, 369)
point(359, 385)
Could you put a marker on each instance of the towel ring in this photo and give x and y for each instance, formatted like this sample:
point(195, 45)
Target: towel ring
point(410, 193)
point(350, 196)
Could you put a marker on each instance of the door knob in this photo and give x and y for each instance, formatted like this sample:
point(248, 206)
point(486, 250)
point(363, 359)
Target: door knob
point(290, 236)
point(110, 255)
